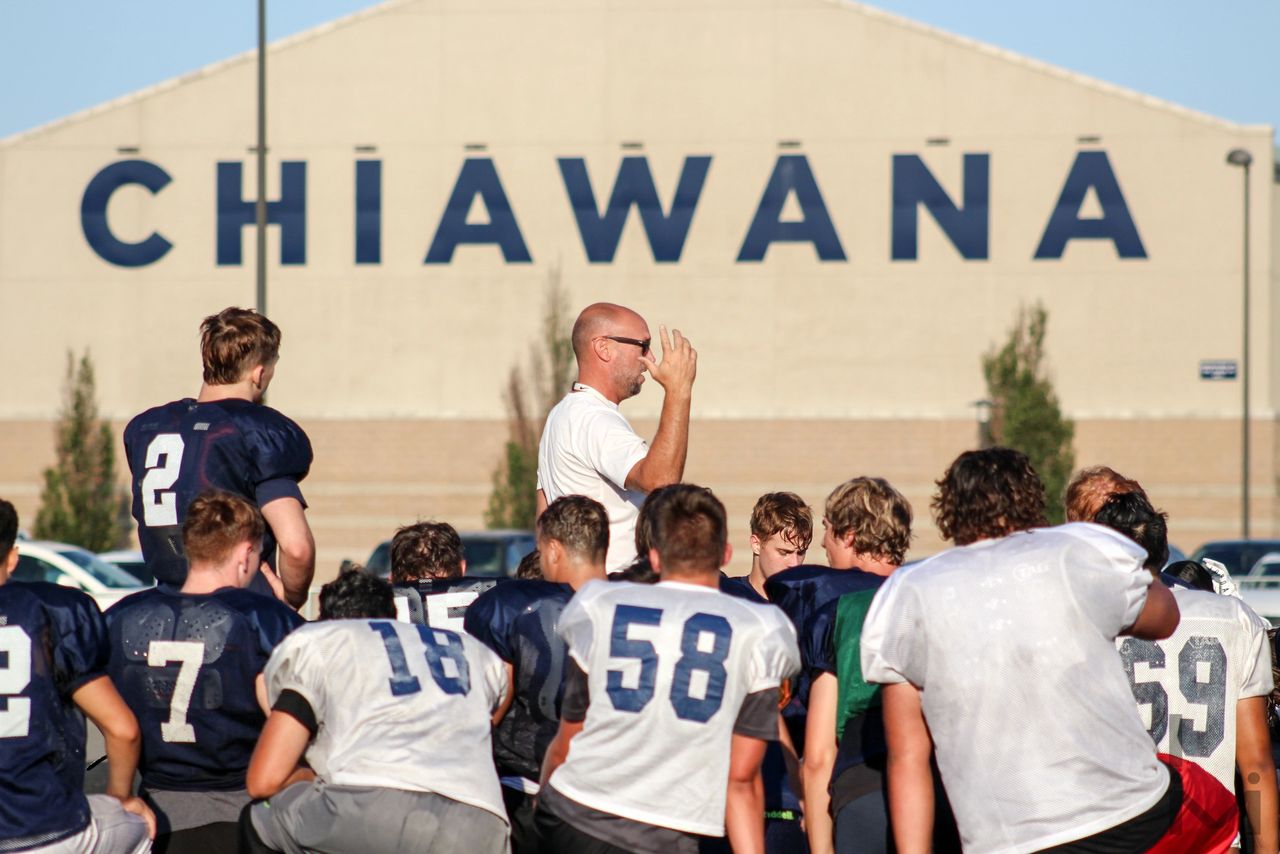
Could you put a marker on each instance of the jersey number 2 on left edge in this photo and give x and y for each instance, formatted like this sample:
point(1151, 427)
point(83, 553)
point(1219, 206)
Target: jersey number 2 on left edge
point(159, 502)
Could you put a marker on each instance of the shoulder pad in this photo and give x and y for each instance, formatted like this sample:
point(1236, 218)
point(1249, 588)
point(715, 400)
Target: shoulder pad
point(277, 446)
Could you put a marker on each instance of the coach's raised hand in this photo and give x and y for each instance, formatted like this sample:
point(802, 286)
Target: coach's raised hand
point(679, 365)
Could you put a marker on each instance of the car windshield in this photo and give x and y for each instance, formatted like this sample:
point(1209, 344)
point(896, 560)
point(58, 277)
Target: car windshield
point(108, 574)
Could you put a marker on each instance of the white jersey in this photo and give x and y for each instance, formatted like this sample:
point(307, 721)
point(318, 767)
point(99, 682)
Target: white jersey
point(668, 667)
point(1187, 685)
point(588, 448)
point(1012, 645)
point(399, 706)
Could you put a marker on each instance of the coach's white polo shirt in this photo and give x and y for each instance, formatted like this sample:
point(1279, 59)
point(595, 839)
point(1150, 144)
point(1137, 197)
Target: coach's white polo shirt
point(588, 448)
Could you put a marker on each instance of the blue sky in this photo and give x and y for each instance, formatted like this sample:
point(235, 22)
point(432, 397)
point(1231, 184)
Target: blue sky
point(61, 56)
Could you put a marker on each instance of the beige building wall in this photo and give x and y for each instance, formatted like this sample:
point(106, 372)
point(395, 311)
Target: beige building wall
point(809, 371)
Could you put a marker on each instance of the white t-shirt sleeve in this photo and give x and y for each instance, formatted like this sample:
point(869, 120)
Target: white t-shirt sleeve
point(1113, 592)
point(576, 628)
point(295, 666)
point(1255, 677)
point(892, 643)
point(610, 446)
point(776, 656)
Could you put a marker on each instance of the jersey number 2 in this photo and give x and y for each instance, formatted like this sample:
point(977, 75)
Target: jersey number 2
point(159, 503)
point(1210, 693)
point(693, 659)
point(15, 716)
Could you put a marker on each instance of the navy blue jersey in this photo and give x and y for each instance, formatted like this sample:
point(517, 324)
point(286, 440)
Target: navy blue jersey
point(518, 621)
point(186, 664)
point(53, 640)
point(440, 602)
point(740, 586)
point(178, 450)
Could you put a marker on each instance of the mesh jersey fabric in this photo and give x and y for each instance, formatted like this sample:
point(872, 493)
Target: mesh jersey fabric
point(440, 602)
point(186, 664)
point(1187, 685)
point(668, 667)
point(517, 620)
point(398, 706)
point(588, 448)
point(180, 449)
point(1012, 645)
point(54, 641)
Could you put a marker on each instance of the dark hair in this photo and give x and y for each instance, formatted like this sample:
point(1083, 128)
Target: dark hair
point(426, 550)
point(639, 571)
point(8, 527)
point(357, 594)
point(216, 523)
point(235, 341)
point(1192, 573)
point(530, 567)
point(783, 513)
point(578, 523)
point(644, 520)
point(1131, 514)
point(986, 494)
point(689, 531)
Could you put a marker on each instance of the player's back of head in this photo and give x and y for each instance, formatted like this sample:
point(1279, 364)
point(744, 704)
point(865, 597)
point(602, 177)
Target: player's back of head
point(216, 523)
point(986, 494)
point(1090, 489)
point(644, 519)
point(357, 594)
point(878, 516)
point(8, 527)
point(235, 341)
point(1131, 514)
point(689, 532)
point(426, 550)
point(579, 524)
point(530, 567)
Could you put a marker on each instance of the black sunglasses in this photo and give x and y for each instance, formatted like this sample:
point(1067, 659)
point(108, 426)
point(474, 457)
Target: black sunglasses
point(643, 345)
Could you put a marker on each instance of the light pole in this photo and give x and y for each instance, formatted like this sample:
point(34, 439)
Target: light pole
point(1241, 157)
point(260, 207)
point(984, 408)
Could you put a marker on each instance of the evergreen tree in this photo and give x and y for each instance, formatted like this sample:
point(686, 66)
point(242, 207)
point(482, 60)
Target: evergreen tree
point(529, 397)
point(1026, 414)
point(80, 503)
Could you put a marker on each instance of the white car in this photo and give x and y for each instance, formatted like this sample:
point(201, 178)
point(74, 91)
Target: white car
point(1261, 587)
point(132, 562)
point(72, 566)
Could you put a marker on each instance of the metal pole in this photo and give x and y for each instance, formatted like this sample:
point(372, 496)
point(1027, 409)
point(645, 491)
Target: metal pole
point(260, 208)
point(1242, 157)
point(1244, 374)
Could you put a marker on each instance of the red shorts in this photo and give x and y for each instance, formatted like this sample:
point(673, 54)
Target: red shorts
point(1208, 821)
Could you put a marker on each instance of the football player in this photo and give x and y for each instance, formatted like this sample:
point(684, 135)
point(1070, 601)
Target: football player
point(428, 575)
point(394, 721)
point(675, 669)
point(517, 620)
point(224, 439)
point(1203, 690)
point(189, 663)
point(781, 530)
point(1001, 653)
point(844, 731)
point(53, 642)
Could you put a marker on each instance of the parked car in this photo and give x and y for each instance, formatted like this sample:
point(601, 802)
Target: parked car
point(72, 566)
point(1238, 556)
point(130, 560)
point(488, 553)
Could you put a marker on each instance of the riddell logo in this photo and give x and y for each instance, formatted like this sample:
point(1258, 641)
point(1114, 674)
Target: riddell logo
point(792, 181)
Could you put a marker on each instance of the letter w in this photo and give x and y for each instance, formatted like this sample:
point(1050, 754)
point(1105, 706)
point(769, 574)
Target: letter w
point(634, 186)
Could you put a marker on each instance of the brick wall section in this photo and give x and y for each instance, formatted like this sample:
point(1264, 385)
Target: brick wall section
point(372, 476)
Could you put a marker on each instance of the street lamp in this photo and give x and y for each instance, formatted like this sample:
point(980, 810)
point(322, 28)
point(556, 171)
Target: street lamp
point(984, 408)
point(1241, 157)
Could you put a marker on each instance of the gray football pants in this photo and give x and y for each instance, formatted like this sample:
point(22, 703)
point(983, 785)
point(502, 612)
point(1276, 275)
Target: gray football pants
point(365, 820)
